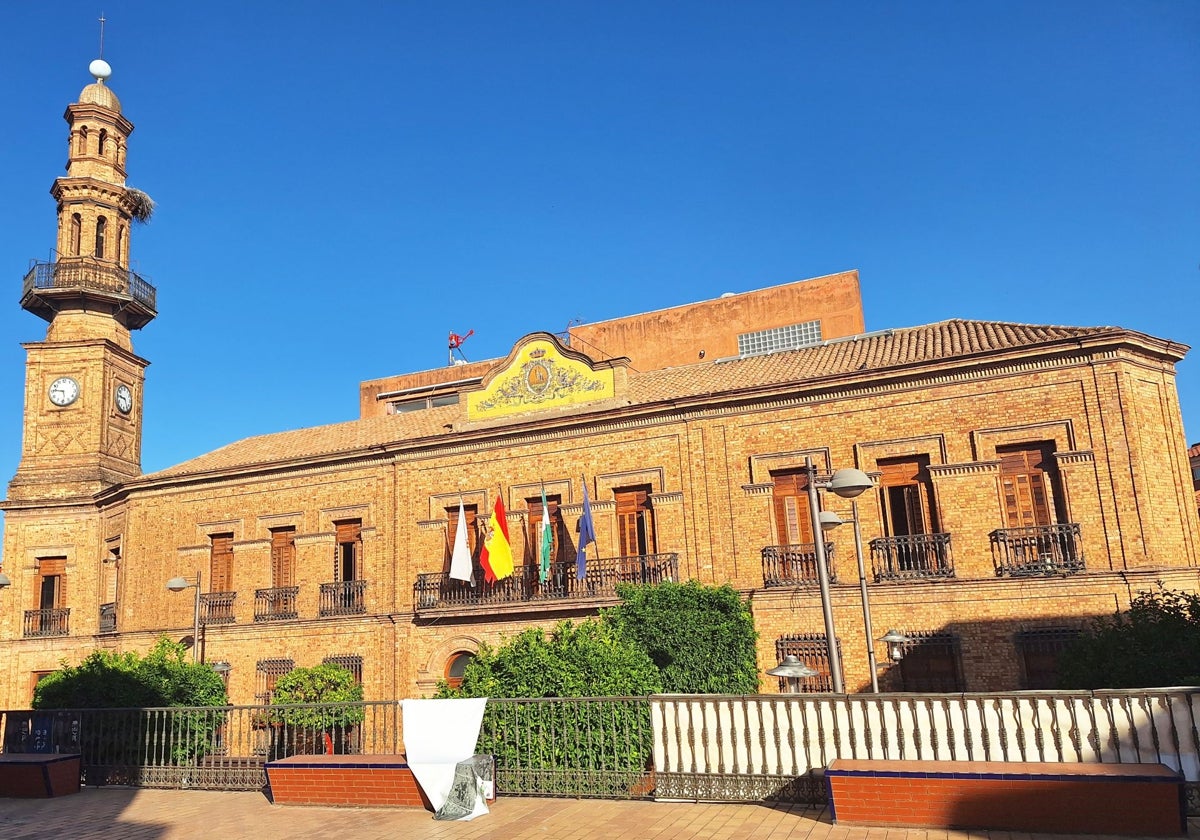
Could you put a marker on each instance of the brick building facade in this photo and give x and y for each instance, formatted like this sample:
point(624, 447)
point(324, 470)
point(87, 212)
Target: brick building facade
point(1027, 478)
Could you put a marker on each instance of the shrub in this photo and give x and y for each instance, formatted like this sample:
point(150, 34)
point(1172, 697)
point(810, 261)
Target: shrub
point(701, 638)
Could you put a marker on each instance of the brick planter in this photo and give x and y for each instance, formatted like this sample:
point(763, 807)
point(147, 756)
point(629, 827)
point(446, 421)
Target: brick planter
point(357, 780)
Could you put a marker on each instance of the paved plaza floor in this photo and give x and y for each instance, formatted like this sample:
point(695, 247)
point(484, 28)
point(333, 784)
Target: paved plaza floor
point(132, 814)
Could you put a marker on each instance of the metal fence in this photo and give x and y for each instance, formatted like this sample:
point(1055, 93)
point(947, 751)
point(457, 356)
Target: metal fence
point(690, 747)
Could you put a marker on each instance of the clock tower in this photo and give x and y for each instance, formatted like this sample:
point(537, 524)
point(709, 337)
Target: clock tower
point(83, 383)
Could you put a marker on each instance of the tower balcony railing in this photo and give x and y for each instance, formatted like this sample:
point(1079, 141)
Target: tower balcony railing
point(52, 622)
point(108, 618)
point(275, 604)
point(80, 275)
point(436, 590)
point(344, 597)
point(794, 565)
point(912, 557)
point(217, 607)
point(1041, 550)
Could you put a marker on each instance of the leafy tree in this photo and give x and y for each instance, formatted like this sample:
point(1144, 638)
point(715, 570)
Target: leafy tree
point(537, 743)
point(585, 660)
point(1155, 643)
point(107, 680)
point(327, 684)
point(701, 638)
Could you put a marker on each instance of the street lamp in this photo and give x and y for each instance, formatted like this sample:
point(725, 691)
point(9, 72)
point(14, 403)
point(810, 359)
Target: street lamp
point(895, 642)
point(847, 484)
point(793, 670)
point(178, 584)
point(4, 581)
point(829, 521)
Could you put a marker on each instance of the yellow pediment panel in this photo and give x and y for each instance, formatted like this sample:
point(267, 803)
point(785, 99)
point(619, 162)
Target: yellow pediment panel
point(539, 375)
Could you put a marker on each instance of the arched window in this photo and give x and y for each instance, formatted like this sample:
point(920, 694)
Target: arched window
point(456, 666)
point(76, 233)
point(83, 133)
point(103, 148)
point(101, 225)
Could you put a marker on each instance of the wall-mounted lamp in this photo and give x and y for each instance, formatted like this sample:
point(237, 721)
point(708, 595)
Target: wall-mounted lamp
point(178, 584)
point(895, 642)
point(4, 581)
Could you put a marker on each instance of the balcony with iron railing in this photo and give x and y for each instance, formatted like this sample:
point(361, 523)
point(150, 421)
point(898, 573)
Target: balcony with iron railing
point(562, 586)
point(794, 565)
point(47, 281)
point(275, 604)
point(1038, 551)
point(912, 557)
point(51, 622)
point(217, 608)
point(343, 597)
point(108, 618)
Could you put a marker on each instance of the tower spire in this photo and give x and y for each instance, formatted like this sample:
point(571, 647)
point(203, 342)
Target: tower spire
point(101, 56)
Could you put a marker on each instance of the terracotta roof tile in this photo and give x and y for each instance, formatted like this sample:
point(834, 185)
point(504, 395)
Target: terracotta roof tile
point(874, 351)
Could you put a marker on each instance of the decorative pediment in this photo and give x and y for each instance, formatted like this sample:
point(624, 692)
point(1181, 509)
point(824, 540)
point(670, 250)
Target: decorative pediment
point(541, 373)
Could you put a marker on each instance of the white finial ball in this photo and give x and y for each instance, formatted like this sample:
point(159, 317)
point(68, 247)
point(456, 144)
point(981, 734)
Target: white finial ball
point(100, 69)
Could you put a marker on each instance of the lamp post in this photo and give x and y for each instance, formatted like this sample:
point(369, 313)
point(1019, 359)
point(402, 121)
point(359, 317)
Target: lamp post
point(847, 484)
point(829, 521)
point(178, 584)
point(793, 670)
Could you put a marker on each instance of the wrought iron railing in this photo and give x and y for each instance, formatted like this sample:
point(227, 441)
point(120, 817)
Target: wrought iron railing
point(55, 622)
point(275, 604)
point(91, 277)
point(217, 608)
point(794, 565)
point(1040, 550)
point(693, 747)
point(912, 556)
point(344, 597)
point(108, 618)
point(436, 590)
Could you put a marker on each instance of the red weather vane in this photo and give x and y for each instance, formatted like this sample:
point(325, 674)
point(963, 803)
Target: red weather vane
point(456, 343)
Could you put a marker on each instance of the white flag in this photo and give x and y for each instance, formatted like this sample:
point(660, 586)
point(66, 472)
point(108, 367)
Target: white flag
point(460, 559)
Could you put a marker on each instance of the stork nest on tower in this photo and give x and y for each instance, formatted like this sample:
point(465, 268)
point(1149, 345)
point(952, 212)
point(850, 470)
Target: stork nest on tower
point(141, 206)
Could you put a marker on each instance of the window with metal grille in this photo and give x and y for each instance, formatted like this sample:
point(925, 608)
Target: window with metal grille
point(810, 649)
point(932, 662)
point(1038, 650)
point(268, 672)
point(780, 338)
point(352, 662)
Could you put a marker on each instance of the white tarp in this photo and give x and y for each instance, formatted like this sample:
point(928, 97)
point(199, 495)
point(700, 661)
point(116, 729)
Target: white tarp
point(438, 734)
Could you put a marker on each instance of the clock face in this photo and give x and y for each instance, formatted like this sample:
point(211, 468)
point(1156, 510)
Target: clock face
point(124, 399)
point(64, 391)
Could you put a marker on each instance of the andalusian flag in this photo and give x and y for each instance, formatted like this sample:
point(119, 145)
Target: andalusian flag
point(497, 559)
point(546, 543)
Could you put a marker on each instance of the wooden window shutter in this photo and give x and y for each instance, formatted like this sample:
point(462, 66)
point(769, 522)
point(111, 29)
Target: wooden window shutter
point(1025, 483)
point(221, 563)
point(470, 514)
point(793, 522)
point(348, 556)
point(283, 557)
point(533, 528)
point(635, 522)
point(906, 496)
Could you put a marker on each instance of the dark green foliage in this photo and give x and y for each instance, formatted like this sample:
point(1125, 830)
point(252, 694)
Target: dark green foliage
point(164, 677)
point(702, 638)
point(584, 660)
point(1155, 643)
point(601, 746)
point(329, 683)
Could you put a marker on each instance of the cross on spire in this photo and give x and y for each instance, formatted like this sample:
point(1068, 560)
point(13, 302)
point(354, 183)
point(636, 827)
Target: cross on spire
point(101, 35)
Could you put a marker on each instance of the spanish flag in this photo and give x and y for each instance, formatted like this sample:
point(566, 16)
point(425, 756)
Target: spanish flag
point(497, 558)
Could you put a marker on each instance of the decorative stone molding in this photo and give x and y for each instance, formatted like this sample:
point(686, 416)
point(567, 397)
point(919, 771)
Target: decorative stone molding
point(602, 506)
point(442, 502)
point(327, 516)
point(985, 441)
point(433, 524)
point(1082, 456)
point(608, 483)
point(519, 493)
point(965, 468)
point(206, 530)
point(870, 453)
point(764, 489)
point(666, 499)
point(326, 538)
point(245, 545)
point(762, 465)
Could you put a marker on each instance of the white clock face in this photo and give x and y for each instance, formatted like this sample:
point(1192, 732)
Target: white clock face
point(64, 391)
point(124, 399)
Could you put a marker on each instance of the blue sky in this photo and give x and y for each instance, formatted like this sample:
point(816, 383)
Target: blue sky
point(341, 185)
